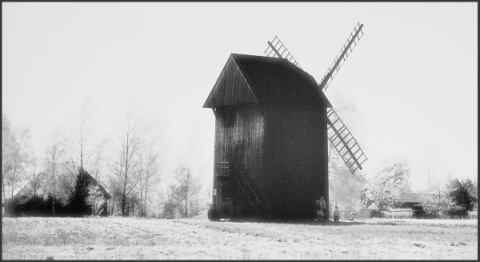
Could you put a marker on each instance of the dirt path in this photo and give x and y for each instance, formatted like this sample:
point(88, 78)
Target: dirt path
point(119, 238)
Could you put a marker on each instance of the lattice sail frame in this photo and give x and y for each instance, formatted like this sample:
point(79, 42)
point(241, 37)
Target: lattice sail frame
point(339, 60)
point(277, 49)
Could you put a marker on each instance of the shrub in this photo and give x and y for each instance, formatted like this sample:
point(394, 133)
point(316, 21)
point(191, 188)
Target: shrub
point(464, 195)
point(382, 192)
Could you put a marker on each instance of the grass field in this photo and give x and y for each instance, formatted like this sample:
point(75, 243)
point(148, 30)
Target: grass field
point(132, 238)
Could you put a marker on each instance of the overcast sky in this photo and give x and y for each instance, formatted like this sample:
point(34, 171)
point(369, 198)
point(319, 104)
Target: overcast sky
point(412, 78)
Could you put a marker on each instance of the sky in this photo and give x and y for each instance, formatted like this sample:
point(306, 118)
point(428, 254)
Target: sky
point(412, 79)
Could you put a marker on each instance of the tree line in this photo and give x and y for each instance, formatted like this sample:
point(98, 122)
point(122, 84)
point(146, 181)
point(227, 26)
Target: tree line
point(128, 165)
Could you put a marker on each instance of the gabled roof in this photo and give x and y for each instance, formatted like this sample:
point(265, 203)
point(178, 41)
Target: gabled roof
point(104, 191)
point(27, 190)
point(25, 193)
point(410, 197)
point(266, 81)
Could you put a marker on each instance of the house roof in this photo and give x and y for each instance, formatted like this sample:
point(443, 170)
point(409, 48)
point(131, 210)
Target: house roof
point(24, 194)
point(270, 81)
point(104, 191)
point(28, 188)
point(410, 197)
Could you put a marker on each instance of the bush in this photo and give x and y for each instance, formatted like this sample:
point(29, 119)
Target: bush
point(464, 195)
point(383, 191)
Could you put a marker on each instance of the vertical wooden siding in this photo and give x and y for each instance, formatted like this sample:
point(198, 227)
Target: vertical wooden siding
point(231, 88)
point(296, 162)
point(239, 141)
point(283, 150)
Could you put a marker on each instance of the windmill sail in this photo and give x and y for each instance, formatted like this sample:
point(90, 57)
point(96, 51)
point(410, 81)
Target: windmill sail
point(345, 51)
point(340, 137)
point(277, 49)
point(344, 142)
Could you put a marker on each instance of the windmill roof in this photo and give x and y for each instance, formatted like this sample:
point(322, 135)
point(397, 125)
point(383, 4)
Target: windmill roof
point(271, 81)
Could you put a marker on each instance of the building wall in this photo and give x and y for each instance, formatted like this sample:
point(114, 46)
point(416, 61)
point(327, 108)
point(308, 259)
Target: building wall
point(231, 88)
point(239, 141)
point(296, 162)
point(282, 150)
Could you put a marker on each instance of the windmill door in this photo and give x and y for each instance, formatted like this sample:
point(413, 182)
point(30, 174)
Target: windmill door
point(225, 197)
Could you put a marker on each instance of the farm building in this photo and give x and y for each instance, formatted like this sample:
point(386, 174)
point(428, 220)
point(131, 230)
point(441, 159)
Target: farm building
point(36, 199)
point(410, 199)
point(270, 154)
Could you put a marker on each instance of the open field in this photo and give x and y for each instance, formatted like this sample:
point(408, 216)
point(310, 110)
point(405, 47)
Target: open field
point(132, 238)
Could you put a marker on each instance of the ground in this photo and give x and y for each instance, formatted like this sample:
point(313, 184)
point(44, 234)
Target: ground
point(134, 238)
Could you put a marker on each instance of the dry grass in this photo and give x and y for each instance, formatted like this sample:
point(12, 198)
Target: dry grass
point(129, 238)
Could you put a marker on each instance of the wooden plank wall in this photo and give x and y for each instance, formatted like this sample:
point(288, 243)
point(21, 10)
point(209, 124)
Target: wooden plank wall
point(231, 88)
point(282, 149)
point(296, 162)
point(239, 141)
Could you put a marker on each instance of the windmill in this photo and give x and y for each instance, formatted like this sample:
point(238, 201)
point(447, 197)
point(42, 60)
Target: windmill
point(339, 135)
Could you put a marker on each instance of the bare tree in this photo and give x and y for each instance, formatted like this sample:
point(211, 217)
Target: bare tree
point(53, 163)
point(15, 156)
point(183, 190)
point(78, 142)
point(8, 146)
point(81, 149)
point(433, 162)
point(125, 164)
point(36, 184)
point(148, 175)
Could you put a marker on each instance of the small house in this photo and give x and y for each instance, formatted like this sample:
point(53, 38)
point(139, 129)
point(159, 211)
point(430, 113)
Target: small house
point(36, 199)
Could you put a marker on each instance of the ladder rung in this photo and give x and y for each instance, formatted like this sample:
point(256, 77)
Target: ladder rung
point(341, 130)
point(348, 160)
point(335, 121)
point(357, 150)
point(333, 139)
point(350, 138)
point(361, 155)
point(338, 144)
point(345, 138)
point(345, 153)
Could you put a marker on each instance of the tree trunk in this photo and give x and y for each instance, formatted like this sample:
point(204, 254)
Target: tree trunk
point(145, 203)
point(186, 193)
point(13, 179)
point(3, 190)
point(186, 206)
point(133, 208)
point(124, 203)
point(113, 205)
point(54, 193)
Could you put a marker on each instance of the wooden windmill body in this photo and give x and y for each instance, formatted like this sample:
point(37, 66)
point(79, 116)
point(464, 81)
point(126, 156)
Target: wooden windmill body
point(271, 136)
